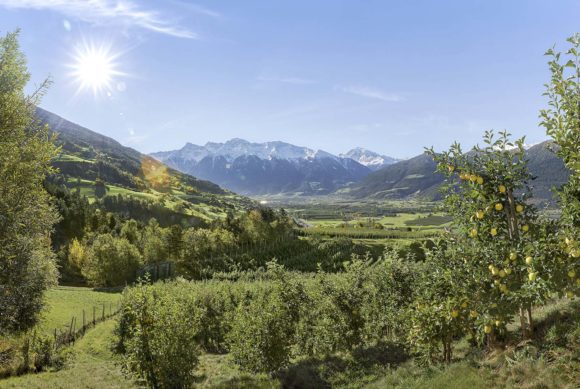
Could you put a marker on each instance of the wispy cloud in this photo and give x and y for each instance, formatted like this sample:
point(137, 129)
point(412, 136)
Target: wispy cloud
point(196, 8)
point(370, 92)
point(124, 12)
point(286, 80)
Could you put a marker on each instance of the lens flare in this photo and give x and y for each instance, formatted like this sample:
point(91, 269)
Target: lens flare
point(155, 174)
point(95, 68)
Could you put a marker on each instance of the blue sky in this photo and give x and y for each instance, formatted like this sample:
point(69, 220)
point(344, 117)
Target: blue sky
point(392, 76)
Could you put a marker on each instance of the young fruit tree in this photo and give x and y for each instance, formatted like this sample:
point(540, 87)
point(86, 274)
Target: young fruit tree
point(495, 232)
point(562, 123)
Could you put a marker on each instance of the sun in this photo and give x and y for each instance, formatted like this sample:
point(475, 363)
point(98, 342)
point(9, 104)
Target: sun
point(95, 68)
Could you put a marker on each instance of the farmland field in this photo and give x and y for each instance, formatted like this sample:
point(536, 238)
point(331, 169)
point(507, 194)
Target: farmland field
point(65, 302)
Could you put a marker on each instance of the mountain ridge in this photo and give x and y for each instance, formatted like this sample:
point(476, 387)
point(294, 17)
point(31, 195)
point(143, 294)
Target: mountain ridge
point(416, 177)
point(368, 158)
point(99, 167)
point(266, 168)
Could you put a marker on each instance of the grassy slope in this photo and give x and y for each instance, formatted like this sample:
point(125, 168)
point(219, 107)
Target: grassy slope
point(86, 155)
point(64, 303)
point(551, 360)
point(92, 365)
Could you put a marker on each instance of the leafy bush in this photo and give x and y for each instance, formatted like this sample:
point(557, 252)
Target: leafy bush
point(158, 338)
point(263, 328)
point(111, 261)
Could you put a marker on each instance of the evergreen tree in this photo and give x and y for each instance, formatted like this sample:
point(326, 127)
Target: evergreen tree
point(27, 264)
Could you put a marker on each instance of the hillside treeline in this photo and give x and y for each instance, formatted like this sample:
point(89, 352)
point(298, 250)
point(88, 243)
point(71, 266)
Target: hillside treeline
point(104, 248)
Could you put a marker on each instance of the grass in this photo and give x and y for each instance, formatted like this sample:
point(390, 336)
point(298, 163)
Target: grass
point(72, 158)
point(91, 365)
point(177, 198)
point(87, 188)
point(63, 303)
point(459, 375)
point(550, 360)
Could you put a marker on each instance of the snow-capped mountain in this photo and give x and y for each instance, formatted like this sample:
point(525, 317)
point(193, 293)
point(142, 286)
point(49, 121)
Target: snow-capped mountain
point(368, 158)
point(236, 147)
point(265, 168)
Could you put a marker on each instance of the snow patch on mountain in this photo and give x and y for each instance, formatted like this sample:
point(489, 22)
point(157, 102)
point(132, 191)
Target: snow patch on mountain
point(369, 158)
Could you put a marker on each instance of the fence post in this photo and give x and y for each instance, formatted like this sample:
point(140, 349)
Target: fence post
point(94, 315)
point(74, 328)
point(84, 328)
point(103, 315)
point(70, 329)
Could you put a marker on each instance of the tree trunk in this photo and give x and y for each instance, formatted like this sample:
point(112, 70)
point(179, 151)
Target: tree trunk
point(524, 324)
point(530, 320)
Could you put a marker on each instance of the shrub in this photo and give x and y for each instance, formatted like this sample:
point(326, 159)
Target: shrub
point(111, 261)
point(263, 328)
point(158, 338)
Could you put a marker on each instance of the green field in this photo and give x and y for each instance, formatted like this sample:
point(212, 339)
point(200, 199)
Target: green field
point(92, 364)
point(192, 205)
point(63, 303)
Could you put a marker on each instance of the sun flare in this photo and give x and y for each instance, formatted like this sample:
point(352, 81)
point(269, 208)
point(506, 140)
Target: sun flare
point(94, 68)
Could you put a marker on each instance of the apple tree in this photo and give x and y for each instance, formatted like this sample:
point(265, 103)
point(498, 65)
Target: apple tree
point(496, 229)
point(562, 123)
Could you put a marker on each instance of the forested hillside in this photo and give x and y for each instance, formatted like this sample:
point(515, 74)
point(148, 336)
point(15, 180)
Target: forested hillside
point(100, 168)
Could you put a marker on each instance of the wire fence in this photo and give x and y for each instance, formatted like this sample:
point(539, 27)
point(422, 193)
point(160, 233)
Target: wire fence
point(79, 326)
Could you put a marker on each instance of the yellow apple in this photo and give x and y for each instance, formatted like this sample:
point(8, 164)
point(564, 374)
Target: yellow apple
point(502, 273)
point(494, 305)
point(513, 256)
point(571, 274)
point(454, 313)
point(508, 270)
point(480, 180)
point(464, 304)
point(501, 189)
point(532, 276)
point(487, 329)
point(529, 260)
point(525, 228)
point(503, 288)
point(473, 314)
point(498, 206)
point(473, 232)
point(570, 295)
point(493, 231)
point(451, 168)
point(494, 271)
point(479, 214)
point(498, 323)
point(519, 208)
